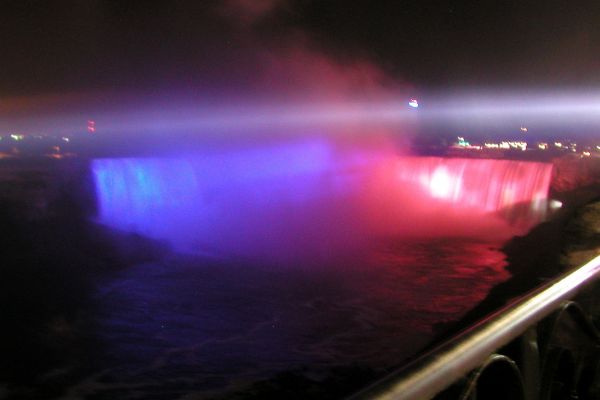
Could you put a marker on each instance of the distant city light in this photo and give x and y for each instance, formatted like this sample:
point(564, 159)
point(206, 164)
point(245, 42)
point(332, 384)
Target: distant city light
point(17, 137)
point(462, 142)
point(91, 126)
point(586, 153)
point(413, 103)
point(506, 145)
point(524, 129)
point(542, 146)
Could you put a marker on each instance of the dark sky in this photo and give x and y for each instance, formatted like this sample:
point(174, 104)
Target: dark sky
point(65, 46)
point(474, 42)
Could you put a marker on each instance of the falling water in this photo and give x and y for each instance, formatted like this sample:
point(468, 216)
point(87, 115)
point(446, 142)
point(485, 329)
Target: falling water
point(310, 198)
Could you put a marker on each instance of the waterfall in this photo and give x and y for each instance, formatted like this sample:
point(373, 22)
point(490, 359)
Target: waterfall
point(481, 184)
point(309, 198)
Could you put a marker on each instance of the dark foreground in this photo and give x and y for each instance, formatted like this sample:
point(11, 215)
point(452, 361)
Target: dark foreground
point(93, 314)
point(77, 327)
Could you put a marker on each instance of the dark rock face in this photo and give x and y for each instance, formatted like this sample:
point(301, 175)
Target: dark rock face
point(50, 255)
point(582, 236)
point(572, 172)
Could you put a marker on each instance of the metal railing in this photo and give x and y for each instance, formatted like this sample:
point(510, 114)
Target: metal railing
point(547, 363)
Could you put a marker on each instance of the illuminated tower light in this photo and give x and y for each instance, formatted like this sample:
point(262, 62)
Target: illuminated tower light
point(413, 103)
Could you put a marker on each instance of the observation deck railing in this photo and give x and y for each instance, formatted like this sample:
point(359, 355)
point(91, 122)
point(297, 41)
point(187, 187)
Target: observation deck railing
point(541, 346)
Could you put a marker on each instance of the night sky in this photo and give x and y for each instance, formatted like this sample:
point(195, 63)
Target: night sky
point(73, 49)
point(73, 60)
point(467, 42)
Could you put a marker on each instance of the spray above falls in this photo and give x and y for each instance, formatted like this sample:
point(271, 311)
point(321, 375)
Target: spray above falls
point(313, 198)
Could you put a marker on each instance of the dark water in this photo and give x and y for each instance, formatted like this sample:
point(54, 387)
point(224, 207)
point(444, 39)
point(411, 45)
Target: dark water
point(188, 328)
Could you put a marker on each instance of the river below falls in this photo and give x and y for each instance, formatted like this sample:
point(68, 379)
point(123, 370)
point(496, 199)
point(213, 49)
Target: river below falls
point(189, 328)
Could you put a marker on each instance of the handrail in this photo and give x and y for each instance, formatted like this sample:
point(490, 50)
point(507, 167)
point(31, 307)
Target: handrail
point(440, 368)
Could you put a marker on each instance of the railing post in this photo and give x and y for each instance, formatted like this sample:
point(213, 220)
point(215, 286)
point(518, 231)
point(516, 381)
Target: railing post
point(530, 368)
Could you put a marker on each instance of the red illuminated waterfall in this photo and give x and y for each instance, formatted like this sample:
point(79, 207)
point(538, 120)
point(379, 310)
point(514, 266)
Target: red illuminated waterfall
point(431, 195)
point(484, 185)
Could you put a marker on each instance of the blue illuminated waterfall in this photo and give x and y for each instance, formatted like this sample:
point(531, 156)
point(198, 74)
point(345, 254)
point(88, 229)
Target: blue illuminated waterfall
point(245, 201)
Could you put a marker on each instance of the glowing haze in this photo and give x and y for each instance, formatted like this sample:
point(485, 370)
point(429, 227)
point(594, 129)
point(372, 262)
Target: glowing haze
point(299, 184)
point(311, 200)
point(207, 67)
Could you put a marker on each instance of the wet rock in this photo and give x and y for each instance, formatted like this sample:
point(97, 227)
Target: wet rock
point(582, 236)
point(572, 172)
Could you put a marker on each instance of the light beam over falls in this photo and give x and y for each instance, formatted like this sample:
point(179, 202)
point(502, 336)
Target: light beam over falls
point(313, 199)
point(478, 111)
